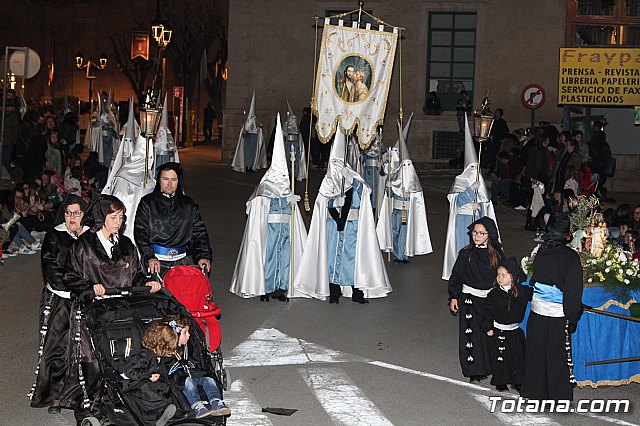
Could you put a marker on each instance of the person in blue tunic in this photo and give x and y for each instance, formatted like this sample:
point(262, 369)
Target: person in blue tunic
point(263, 264)
point(251, 153)
point(372, 170)
point(342, 253)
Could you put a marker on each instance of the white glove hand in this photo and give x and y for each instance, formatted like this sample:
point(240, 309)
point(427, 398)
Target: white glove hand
point(339, 202)
point(475, 186)
point(475, 207)
point(347, 174)
point(293, 198)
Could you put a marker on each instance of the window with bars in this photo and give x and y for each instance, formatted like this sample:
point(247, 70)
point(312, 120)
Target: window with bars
point(451, 56)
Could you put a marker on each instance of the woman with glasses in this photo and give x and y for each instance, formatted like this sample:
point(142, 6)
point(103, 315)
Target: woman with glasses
point(471, 281)
point(102, 258)
point(55, 306)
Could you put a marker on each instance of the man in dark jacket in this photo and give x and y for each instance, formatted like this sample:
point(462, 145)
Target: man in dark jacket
point(169, 230)
point(10, 131)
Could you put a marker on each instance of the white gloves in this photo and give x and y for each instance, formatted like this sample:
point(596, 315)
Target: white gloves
point(339, 202)
point(475, 207)
point(293, 198)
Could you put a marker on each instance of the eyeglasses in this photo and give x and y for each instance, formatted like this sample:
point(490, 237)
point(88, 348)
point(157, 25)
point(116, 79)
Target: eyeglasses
point(74, 213)
point(479, 233)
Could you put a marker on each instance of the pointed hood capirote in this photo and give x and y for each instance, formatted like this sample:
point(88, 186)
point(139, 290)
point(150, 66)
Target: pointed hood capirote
point(470, 173)
point(291, 125)
point(332, 184)
point(250, 122)
point(403, 173)
point(176, 167)
point(491, 228)
point(276, 181)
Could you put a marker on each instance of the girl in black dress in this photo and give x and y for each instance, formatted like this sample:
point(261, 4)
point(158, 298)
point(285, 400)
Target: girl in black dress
point(471, 281)
point(505, 307)
point(55, 305)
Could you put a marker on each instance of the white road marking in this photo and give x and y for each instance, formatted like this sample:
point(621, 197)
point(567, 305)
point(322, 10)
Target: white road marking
point(272, 347)
point(245, 411)
point(515, 419)
point(428, 375)
point(343, 401)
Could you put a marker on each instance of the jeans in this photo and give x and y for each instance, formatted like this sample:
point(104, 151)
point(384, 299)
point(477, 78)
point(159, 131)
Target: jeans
point(22, 234)
point(191, 389)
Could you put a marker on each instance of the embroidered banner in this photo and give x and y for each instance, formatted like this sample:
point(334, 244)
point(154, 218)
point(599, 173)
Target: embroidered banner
point(352, 83)
point(140, 45)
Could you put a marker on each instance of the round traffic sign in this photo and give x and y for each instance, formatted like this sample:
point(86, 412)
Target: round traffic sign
point(533, 96)
point(20, 67)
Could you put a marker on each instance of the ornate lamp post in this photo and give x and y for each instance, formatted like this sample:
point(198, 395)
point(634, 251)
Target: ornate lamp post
point(162, 35)
point(149, 122)
point(482, 124)
point(91, 66)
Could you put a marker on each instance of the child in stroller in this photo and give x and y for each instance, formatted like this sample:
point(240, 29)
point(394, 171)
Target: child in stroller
point(117, 326)
point(164, 358)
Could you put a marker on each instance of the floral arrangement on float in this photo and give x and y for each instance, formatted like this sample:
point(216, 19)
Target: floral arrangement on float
point(604, 264)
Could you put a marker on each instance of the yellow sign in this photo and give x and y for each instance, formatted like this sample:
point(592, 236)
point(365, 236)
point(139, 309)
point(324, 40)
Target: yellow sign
point(599, 76)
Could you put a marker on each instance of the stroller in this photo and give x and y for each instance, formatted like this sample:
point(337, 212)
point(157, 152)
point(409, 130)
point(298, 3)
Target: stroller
point(191, 287)
point(116, 326)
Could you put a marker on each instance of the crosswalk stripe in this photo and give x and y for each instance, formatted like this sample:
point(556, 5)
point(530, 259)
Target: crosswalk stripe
point(268, 346)
point(245, 411)
point(343, 401)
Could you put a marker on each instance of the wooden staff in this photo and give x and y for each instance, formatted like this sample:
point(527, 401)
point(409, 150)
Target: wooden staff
point(292, 156)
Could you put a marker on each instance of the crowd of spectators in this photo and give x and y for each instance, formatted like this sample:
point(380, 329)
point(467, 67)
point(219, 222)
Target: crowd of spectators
point(44, 156)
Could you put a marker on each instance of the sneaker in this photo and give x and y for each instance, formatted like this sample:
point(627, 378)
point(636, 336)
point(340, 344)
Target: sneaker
point(520, 208)
point(36, 246)
point(218, 408)
point(26, 250)
point(5, 256)
point(201, 412)
point(167, 414)
point(12, 251)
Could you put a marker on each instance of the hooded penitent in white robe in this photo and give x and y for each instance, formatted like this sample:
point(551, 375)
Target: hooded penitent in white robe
point(461, 198)
point(263, 263)
point(104, 130)
point(412, 238)
point(251, 151)
point(293, 140)
point(126, 179)
point(165, 146)
point(369, 273)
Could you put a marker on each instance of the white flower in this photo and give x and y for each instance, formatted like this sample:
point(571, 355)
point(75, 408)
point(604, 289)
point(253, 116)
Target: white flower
point(609, 263)
point(607, 270)
point(590, 280)
point(629, 272)
point(626, 281)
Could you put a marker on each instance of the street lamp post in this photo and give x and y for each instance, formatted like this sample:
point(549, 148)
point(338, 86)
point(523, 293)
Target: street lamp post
point(90, 66)
point(162, 35)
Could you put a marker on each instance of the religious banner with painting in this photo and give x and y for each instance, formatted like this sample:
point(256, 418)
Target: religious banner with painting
point(352, 83)
point(140, 45)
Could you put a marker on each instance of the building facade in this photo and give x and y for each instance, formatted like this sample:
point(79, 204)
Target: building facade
point(495, 46)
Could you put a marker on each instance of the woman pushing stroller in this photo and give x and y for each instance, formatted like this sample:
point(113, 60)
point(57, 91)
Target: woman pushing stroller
point(100, 259)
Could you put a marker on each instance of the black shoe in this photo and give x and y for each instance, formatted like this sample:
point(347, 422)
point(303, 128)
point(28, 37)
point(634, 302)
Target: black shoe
point(362, 301)
point(264, 298)
point(54, 408)
point(282, 298)
point(502, 388)
point(476, 378)
point(335, 300)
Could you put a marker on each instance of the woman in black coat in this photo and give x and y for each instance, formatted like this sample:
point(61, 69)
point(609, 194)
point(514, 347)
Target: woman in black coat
point(101, 258)
point(55, 305)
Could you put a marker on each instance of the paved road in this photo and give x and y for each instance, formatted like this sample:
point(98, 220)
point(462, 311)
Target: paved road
point(393, 361)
